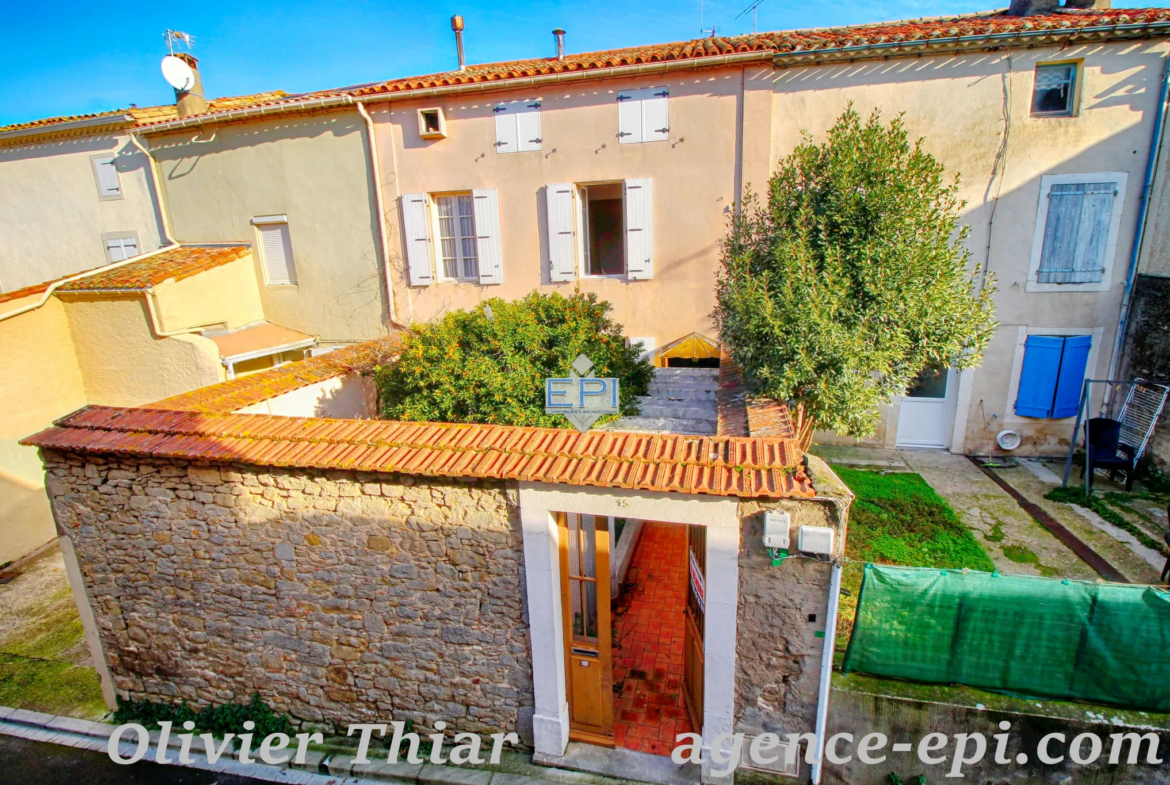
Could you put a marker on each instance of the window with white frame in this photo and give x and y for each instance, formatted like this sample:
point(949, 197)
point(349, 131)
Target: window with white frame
point(600, 229)
point(1076, 229)
point(458, 256)
point(1054, 90)
point(105, 172)
point(276, 254)
point(517, 126)
point(643, 116)
point(120, 246)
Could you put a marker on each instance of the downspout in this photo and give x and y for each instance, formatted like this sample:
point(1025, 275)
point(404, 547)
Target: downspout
point(1139, 232)
point(158, 189)
point(376, 174)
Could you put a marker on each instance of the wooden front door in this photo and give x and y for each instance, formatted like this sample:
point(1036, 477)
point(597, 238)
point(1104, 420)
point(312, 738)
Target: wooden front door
point(584, 545)
point(695, 623)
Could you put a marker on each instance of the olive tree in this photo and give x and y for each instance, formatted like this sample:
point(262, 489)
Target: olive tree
point(852, 278)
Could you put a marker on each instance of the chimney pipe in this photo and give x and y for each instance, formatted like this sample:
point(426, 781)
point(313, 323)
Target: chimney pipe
point(457, 26)
point(560, 36)
point(1032, 7)
point(191, 101)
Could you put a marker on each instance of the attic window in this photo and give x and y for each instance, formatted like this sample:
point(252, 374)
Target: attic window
point(432, 124)
point(1054, 90)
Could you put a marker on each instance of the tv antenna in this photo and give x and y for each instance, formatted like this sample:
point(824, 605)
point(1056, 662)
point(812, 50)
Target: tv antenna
point(703, 30)
point(753, 8)
point(171, 36)
point(177, 71)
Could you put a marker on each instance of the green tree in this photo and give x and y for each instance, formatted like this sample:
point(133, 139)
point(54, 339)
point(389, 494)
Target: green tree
point(488, 364)
point(852, 279)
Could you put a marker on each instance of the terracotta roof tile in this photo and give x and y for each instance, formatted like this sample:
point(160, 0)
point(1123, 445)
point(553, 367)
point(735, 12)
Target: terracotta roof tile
point(665, 462)
point(182, 262)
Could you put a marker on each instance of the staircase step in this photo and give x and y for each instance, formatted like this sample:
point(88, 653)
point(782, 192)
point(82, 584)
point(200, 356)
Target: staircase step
point(684, 384)
point(681, 393)
point(674, 411)
point(673, 373)
point(663, 425)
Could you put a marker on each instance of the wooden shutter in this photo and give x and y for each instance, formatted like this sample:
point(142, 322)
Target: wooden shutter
point(639, 204)
point(507, 135)
point(1076, 232)
point(629, 116)
point(276, 251)
point(561, 243)
point(527, 115)
point(1038, 375)
point(487, 235)
point(417, 239)
point(107, 176)
point(1071, 377)
point(655, 119)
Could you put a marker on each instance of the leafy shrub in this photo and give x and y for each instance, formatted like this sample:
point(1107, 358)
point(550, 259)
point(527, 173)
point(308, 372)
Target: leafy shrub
point(488, 364)
point(219, 720)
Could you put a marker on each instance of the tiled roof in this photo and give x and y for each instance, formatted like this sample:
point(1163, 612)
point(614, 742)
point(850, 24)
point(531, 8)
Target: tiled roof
point(236, 394)
point(744, 467)
point(151, 114)
point(741, 414)
point(180, 263)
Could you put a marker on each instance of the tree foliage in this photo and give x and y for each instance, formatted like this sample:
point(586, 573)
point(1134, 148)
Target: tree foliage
point(470, 366)
point(853, 278)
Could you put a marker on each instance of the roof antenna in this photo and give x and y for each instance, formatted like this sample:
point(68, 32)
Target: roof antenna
point(702, 22)
point(753, 8)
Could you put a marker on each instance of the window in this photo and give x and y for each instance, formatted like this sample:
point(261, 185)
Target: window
point(276, 256)
point(432, 124)
point(600, 229)
point(1052, 375)
point(466, 232)
point(642, 115)
point(120, 246)
point(105, 171)
point(1076, 232)
point(460, 259)
point(1054, 90)
point(517, 126)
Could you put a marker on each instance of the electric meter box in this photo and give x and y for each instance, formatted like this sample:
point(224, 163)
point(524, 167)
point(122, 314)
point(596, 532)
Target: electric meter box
point(816, 539)
point(777, 525)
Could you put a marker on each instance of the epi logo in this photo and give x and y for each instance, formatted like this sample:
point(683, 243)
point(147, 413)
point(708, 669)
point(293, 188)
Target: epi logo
point(583, 398)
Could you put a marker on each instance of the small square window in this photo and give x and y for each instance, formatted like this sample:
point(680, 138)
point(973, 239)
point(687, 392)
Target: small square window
point(432, 124)
point(1054, 91)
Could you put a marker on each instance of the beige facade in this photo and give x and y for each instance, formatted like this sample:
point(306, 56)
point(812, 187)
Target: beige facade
point(313, 171)
point(55, 219)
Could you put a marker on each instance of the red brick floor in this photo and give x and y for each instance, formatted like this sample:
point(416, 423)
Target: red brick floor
point(648, 618)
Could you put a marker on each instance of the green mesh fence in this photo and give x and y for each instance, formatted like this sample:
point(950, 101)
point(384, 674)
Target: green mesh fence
point(1101, 642)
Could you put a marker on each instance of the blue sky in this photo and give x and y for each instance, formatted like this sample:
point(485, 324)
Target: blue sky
point(59, 58)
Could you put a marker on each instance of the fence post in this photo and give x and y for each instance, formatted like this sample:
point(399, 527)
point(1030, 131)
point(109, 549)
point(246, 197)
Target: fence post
point(1072, 445)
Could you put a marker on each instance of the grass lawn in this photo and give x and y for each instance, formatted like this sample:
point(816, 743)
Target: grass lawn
point(898, 519)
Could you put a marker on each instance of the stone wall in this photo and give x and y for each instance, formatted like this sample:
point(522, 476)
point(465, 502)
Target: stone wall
point(337, 597)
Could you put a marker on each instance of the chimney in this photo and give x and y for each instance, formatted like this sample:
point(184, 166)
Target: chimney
point(560, 36)
point(1096, 5)
point(1032, 7)
point(191, 101)
point(457, 26)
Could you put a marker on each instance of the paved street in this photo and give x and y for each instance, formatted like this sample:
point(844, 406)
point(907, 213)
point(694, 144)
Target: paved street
point(32, 763)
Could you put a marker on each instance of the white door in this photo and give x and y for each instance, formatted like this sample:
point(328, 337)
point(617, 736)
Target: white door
point(925, 416)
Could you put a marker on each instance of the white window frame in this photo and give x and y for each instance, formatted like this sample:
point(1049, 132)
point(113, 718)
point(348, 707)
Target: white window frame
point(1022, 333)
point(271, 220)
point(437, 239)
point(441, 133)
point(1074, 100)
point(582, 218)
point(113, 236)
point(1046, 183)
point(94, 162)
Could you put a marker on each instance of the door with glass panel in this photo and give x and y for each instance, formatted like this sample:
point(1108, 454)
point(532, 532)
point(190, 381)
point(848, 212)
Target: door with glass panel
point(924, 419)
point(584, 546)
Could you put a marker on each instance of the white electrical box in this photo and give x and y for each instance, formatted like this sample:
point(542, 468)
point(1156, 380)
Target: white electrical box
point(777, 525)
point(816, 539)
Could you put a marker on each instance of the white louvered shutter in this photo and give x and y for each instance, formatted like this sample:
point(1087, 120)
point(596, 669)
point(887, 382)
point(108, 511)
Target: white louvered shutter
point(655, 119)
point(507, 137)
point(639, 201)
point(276, 250)
point(561, 242)
point(121, 248)
point(488, 248)
point(107, 176)
point(528, 126)
point(417, 239)
point(629, 116)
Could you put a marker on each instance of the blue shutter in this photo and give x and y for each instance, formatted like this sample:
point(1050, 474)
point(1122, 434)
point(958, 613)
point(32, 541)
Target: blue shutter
point(1071, 377)
point(1038, 376)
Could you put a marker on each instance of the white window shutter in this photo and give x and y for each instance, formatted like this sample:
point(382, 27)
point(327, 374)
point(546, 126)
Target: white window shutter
point(561, 243)
point(488, 248)
point(629, 116)
point(639, 201)
point(528, 126)
point(417, 238)
point(655, 118)
point(276, 249)
point(107, 176)
point(507, 136)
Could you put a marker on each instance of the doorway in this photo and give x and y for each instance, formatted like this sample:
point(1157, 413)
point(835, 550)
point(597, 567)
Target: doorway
point(924, 419)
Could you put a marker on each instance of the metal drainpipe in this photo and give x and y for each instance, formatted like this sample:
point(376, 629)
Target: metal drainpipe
point(379, 205)
point(1139, 232)
point(168, 234)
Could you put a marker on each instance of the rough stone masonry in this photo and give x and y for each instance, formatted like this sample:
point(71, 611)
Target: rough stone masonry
point(338, 597)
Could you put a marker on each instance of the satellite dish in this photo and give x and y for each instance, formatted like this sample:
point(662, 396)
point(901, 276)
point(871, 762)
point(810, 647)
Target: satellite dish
point(178, 73)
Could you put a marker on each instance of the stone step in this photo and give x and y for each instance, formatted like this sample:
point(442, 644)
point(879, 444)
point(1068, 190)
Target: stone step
point(704, 401)
point(684, 384)
point(674, 373)
point(678, 412)
point(663, 425)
